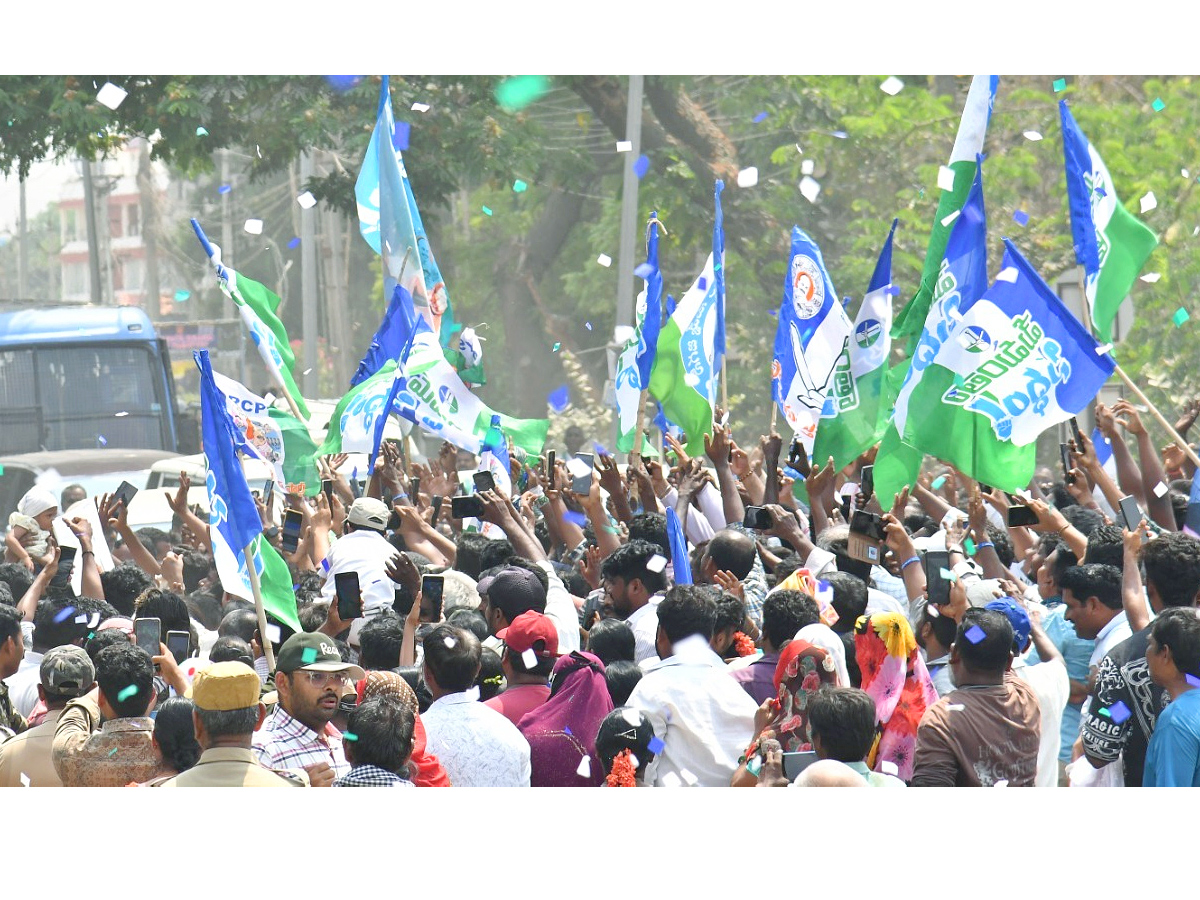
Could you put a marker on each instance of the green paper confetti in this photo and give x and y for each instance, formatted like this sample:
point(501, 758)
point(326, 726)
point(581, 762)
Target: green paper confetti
point(1, 470)
point(969, 546)
point(1060, 85)
point(127, 692)
point(201, 131)
point(349, 736)
point(519, 186)
point(112, 752)
point(516, 93)
point(1181, 316)
point(1158, 105)
point(554, 349)
point(308, 656)
point(182, 296)
point(938, 482)
point(948, 575)
point(1104, 712)
point(486, 210)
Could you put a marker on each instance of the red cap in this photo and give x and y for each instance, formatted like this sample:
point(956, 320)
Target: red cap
point(526, 630)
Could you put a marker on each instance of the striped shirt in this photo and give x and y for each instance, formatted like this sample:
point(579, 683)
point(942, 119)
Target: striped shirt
point(287, 743)
point(372, 776)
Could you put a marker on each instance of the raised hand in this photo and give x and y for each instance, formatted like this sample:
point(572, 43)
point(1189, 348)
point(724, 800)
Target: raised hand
point(1187, 418)
point(1131, 420)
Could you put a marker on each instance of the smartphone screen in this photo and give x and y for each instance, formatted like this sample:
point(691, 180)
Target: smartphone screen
point(327, 487)
point(432, 587)
point(938, 585)
point(125, 493)
point(1131, 512)
point(795, 763)
point(414, 488)
point(292, 521)
point(1066, 463)
point(268, 493)
point(466, 507)
point(757, 517)
point(484, 481)
point(148, 634)
point(1075, 430)
point(1021, 515)
point(179, 645)
point(583, 484)
point(550, 468)
point(867, 482)
point(66, 562)
point(436, 503)
point(349, 595)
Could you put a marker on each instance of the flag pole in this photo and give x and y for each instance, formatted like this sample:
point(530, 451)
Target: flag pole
point(256, 590)
point(637, 438)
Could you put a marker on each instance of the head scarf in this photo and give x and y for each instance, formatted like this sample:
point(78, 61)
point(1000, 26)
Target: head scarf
point(799, 674)
point(426, 769)
point(895, 676)
point(562, 731)
point(828, 640)
point(36, 501)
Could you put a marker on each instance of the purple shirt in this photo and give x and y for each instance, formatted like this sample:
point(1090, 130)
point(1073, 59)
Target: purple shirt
point(758, 678)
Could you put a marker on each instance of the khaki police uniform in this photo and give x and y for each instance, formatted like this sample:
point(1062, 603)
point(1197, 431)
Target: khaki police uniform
point(233, 767)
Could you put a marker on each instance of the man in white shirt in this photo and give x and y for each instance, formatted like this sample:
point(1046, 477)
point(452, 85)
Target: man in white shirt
point(702, 716)
point(476, 745)
point(634, 580)
point(362, 548)
point(1092, 599)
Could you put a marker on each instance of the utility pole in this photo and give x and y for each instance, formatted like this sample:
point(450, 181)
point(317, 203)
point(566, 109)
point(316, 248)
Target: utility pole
point(629, 220)
point(227, 310)
point(89, 212)
point(308, 281)
point(22, 252)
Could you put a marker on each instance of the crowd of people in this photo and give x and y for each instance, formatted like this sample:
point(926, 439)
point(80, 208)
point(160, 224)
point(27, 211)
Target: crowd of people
point(568, 637)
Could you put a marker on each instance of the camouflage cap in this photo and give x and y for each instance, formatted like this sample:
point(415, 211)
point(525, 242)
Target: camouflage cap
point(67, 671)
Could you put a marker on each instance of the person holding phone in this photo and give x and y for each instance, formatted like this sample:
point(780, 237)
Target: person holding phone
point(365, 550)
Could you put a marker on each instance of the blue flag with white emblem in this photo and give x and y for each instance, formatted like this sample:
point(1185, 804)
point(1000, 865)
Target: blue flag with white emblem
point(681, 563)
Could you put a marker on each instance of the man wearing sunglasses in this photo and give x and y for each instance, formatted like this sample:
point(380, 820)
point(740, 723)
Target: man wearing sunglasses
point(310, 678)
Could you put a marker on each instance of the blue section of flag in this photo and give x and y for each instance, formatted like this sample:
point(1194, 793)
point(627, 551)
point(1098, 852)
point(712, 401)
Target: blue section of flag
point(232, 513)
point(882, 276)
point(719, 277)
point(1103, 447)
point(388, 342)
point(494, 441)
point(652, 324)
point(793, 330)
point(1192, 523)
point(1079, 192)
point(680, 561)
point(409, 326)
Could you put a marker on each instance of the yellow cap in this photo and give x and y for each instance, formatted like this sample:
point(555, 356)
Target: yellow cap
point(226, 685)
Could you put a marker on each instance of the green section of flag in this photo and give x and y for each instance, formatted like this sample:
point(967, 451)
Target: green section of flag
point(682, 403)
point(299, 454)
point(256, 302)
point(1129, 245)
point(275, 583)
point(852, 431)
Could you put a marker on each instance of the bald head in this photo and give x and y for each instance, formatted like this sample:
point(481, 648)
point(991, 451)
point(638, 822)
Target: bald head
point(830, 773)
point(728, 551)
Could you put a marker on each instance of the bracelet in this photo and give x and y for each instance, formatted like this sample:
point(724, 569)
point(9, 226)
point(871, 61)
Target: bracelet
point(87, 553)
point(983, 544)
point(908, 562)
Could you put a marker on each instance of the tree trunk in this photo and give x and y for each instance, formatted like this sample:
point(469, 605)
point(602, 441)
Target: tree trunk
point(148, 201)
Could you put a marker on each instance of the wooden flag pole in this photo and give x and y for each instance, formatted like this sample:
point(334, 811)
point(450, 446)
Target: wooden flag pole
point(637, 439)
point(256, 590)
point(1175, 436)
point(774, 413)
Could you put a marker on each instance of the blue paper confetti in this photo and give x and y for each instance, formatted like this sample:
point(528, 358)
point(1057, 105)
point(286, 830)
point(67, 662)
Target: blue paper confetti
point(772, 312)
point(400, 135)
point(486, 210)
point(349, 736)
point(1119, 712)
point(645, 270)
point(1021, 217)
point(642, 166)
point(892, 291)
point(575, 518)
point(839, 134)
point(587, 325)
point(760, 117)
point(65, 614)
point(224, 189)
point(294, 243)
point(201, 131)
point(101, 440)
point(655, 745)
point(975, 634)
point(937, 482)
point(343, 83)
point(559, 398)
point(567, 729)
point(1192, 680)
point(702, 283)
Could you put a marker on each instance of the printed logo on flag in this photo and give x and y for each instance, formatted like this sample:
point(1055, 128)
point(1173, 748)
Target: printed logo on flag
point(976, 340)
point(808, 286)
point(867, 333)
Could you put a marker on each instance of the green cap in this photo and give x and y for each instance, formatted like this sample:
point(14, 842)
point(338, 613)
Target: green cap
point(314, 652)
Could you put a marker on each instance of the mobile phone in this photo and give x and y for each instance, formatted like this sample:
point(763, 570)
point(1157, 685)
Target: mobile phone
point(1066, 463)
point(867, 482)
point(1075, 431)
point(1021, 515)
point(414, 488)
point(757, 517)
point(403, 602)
point(327, 487)
point(466, 507)
point(795, 763)
point(432, 587)
point(66, 561)
point(550, 467)
point(591, 607)
point(583, 484)
point(179, 645)
point(349, 595)
point(436, 503)
point(292, 520)
point(147, 634)
point(985, 488)
point(1130, 512)
point(484, 481)
point(268, 493)
point(865, 542)
point(125, 493)
point(937, 561)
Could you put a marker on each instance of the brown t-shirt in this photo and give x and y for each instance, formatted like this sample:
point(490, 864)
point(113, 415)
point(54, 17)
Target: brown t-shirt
point(977, 736)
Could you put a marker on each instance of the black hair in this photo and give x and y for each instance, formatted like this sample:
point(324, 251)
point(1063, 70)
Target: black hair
point(475, 553)
point(629, 562)
point(944, 627)
point(491, 674)
point(1179, 629)
point(416, 680)
point(311, 615)
point(687, 609)
point(788, 563)
point(453, 656)
point(120, 667)
point(205, 607)
point(1106, 545)
point(616, 734)
point(1172, 564)
point(1064, 558)
point(383, 733)
point(1084, 520)
point(123, 584)
point(379, 641)
point(175, 733)
point(732, 551)
point(844, 718)
point(612, 640)
point(1061, 497)
point(231, 648)
point(786, 612)
point(849, 599)
point(991, 653)
point(54, 624)
point(6, 597)
point(621, 677)
point(166, 606)
point(17, 577)
point(196, 567)
point(1094, 580)
point(731, 612)
point(106, 638)
point(151, 537)
point(10, 624)
point(852, 668)
point(574, 582)
point(652, 528)
point(470, 619)
point(241, 623)
point(1002, 544)
point(920, 522)
point(1179, 508)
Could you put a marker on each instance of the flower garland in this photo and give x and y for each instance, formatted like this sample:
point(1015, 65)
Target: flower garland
point(742, 644)
point(622, 773)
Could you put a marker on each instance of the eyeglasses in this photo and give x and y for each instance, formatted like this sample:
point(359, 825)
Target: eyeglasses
point(320, 679)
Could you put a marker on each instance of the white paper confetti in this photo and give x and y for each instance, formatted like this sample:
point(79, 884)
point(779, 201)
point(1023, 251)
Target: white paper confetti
point(1160, 489)
point(81, 620)
point(273, 634)
point(584, 769)
point(656, 563)
point(1003, 782)
point(306, 200)
point(747, 177)
point(632, 716)
point(932, 610)
point(892, 86)
point(578, 468)
point(810, 188)
point(1185, 173)
point(449, 641)
point(950, 218)
point(254, 226)
point(691, 379)
point(633, 761)
point(806, 167)
point(306, 371)
point(670, 779)
point(1009, 274)
point(94, 621)
point(1151, 277)
point(888, 767)
point(945, 180)
point(420, 107)
point(529, 659)
point(1033, 135)
point(624, 146)
point(604, 259)
point(269, 397)
point(955, 707)
point(1103, 348)
point(24, 780)
point(111, 95)
point(1149, 202)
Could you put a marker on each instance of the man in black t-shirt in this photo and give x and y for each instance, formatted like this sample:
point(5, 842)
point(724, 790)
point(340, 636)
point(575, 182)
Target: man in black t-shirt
point(1125, 702)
